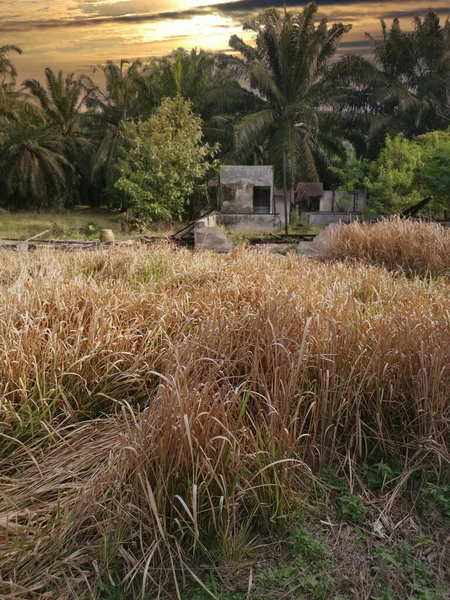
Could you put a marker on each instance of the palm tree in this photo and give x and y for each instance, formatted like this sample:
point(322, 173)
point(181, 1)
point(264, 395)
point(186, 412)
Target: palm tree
point(62, 101)
point(289, 72)
point(415, 67)
point(127, 96)
point(7, 69)
point(62, 104)
point(33, 168)
point(209, 81)
point(9, 97)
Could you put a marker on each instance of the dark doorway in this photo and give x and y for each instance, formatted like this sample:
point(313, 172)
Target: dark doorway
point(261, 200)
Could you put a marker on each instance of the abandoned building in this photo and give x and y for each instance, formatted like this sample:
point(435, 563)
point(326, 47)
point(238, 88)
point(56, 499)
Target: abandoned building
point(246, 198)
point(248, 201)
point(318, 207)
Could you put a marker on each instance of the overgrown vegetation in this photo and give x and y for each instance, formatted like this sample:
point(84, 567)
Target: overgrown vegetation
point(227, 426)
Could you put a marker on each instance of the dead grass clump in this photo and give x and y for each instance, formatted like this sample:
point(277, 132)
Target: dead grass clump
point(415, 247)
point(161, 408)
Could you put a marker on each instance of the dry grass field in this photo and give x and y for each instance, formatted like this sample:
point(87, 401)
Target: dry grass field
point(193, 425)
point(398, 244)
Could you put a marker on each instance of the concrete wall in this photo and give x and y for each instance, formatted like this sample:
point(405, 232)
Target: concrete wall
point(208, 237)
point(208, 221)
point(322, 219)
point(249, 222)
point(332, 201)
point(236, 187)
point(279, 208)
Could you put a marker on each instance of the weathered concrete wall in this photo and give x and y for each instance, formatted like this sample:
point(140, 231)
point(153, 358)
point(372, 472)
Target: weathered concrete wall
point(322, 219)
point(249, 222)
point(326, 202)
point(343, 201)
point(208, 221)
point(279, 209)
point(237, 183)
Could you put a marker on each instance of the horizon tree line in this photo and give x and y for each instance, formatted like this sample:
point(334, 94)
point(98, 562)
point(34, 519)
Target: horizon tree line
point(286, 93)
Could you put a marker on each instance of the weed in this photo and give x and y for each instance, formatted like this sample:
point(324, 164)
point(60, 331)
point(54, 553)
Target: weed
point(438, 496)
point(400, 562)
point(380, 476)
point(307, 548)
point(351, 508)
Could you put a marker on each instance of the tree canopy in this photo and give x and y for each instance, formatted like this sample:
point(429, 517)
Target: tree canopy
point(162, 159)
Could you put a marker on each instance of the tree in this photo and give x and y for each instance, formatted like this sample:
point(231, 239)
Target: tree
point(33, 168)
point(9, 97)
point(62, 104)
point(290, 71)
point(162, 159)
point(392, 177)
point(210, 81)
point(8, 72)
point(126, 96)
point(412, 93)
point(62, 101)
point(434, 174)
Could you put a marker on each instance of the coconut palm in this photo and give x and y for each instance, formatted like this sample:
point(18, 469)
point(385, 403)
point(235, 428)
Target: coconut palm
point(289, 70)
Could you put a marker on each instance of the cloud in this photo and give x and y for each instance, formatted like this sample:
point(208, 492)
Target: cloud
point(29, 25)
point(129, 12)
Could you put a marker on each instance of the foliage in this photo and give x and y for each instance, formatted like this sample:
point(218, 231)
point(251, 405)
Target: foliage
point(162, 160)
point(438, 495)
point(401, 560)
point(392, 178)
point(8, 72)
point(34, 169)
point(406, 171)
point(288, 94)
point(132, 380)
point(291, 74)
point(351, 171)
point(306, 547)
point(380, 476)
point(410, 94)
point(434, 174)
point(351, 508)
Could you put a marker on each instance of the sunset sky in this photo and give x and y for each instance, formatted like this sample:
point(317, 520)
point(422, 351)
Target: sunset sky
point(76, 34)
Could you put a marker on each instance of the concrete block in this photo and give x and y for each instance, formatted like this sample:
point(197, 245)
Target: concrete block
point(211, 238)
point(324, 239)
point(305, 249)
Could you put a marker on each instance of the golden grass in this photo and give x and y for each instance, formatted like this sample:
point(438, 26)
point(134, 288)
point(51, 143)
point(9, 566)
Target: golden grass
point(154, 403)
point(416, 247)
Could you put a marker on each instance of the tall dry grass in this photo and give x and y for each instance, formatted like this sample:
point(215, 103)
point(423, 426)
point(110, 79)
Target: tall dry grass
point(157, 407)
point(413, 246)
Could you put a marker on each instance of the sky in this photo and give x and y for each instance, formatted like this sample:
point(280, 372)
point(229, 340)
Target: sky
point(75, 35)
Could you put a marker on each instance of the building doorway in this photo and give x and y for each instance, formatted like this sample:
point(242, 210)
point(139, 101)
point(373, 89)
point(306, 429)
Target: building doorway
point(261, 200)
